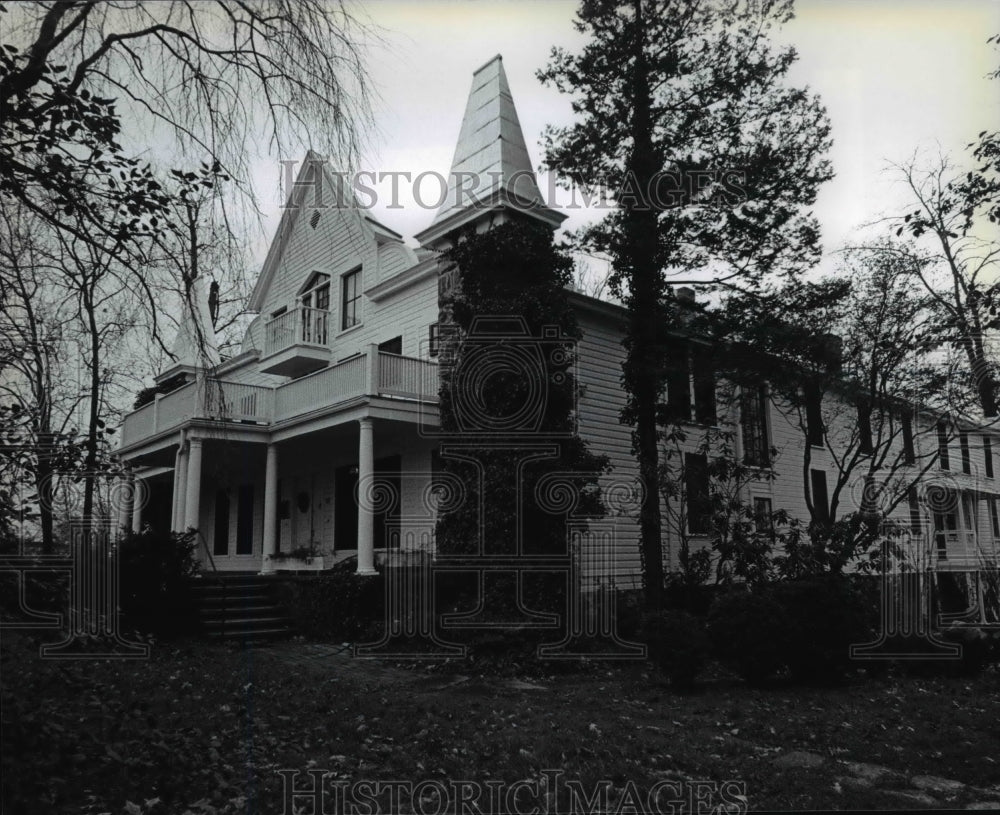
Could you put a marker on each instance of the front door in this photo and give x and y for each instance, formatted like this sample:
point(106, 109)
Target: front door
point(387, 470)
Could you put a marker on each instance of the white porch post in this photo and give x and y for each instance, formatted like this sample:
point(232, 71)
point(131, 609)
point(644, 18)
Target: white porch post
point(125, 500)
point(192, 492)
point(180, 488)
point(366, 525)
point(268, 542)
point(138, 498)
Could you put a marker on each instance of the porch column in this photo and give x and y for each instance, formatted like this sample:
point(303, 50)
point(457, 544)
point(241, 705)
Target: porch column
point(138, 498)
point(192, 492)
point(180, 488)
point(268, 541)
point(366, 521)
point(125, 498)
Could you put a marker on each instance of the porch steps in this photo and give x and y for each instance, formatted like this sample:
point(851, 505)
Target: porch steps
point(240, 607)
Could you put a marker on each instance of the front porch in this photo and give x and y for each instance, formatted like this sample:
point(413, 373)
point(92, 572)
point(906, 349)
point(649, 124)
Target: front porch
point(353, 489)
point(269, 477)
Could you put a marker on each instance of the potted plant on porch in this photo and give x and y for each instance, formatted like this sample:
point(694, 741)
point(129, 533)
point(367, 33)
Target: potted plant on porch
point(301, 559)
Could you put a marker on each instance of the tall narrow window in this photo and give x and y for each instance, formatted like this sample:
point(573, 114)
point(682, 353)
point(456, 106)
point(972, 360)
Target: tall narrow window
point(753, 425)
point(351, 299)
point(433, 339)
point(703, 377)
point(220, 543)
point(942, 439)
point(963, 441)
point(814, 415)
point(995, 516)
point(678, 383)
point(865, 429)
point(821, 501)
point(696, 495)
point(909, 453)
point(916, 523)
point(244, 520)
point(988, 456)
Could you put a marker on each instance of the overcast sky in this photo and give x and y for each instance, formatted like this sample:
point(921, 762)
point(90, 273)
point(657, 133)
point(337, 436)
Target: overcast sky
point(895, 75)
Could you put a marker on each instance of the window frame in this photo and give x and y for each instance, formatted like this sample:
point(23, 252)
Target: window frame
point(697, 504)
point(433, 340)
point(944, 456)
point(350, 306)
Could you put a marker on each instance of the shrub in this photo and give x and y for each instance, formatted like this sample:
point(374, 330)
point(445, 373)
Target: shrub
point(336, 605)
point(980, 648)
point(155, 570)
point(678, 644)
point(749, 632)
point(825, 616)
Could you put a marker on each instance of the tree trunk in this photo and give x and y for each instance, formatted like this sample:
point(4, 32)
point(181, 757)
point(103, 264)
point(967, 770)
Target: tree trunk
point(644, 364)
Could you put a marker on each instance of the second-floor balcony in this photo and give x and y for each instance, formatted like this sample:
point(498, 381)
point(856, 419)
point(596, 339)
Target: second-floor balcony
point(296, 342)
point(371, 374)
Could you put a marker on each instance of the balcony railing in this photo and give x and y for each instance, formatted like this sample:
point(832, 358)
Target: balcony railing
point(299, 326)
point(373, 373)
point(406, 376)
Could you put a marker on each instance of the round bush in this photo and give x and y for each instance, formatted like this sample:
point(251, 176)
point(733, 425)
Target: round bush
point(678, 644)
point(825, 616)
point(749, 632)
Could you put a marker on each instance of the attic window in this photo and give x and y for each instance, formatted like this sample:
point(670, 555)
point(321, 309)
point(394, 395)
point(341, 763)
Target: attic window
point(314, 219)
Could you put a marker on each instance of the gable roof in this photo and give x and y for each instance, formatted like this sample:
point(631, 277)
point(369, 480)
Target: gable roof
point(491, 166)
point(343, 199)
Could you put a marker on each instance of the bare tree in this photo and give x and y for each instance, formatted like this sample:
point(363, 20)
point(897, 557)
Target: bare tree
point(88, 82)
point(953, 219)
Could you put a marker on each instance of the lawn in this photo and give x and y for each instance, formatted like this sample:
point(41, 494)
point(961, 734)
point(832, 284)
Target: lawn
point(210, 728)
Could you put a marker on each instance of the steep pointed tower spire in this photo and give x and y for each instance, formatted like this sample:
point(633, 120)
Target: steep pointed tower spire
point(491, 171)
point(195, 345)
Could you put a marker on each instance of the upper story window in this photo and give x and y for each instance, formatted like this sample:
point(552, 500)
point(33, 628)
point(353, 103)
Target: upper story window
point(691, 384)
point(909, 453)
point(316, 293)
point(433, 339)
point(942, 439)
point(988, 456)
point(753, 425)
point(963, 441)
point(865, 444)
point(351, 302)
point(815, 431)
point(820, 498)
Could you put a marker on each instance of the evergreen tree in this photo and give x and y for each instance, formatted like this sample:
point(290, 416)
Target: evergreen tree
point(684, 116)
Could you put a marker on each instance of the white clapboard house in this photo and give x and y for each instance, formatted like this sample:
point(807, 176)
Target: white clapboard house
point(336, 381)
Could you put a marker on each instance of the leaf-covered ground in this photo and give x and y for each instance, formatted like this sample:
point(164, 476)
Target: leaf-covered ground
point(207, 728)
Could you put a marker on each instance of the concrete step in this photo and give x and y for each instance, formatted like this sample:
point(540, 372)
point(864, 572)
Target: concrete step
point(239, 607)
